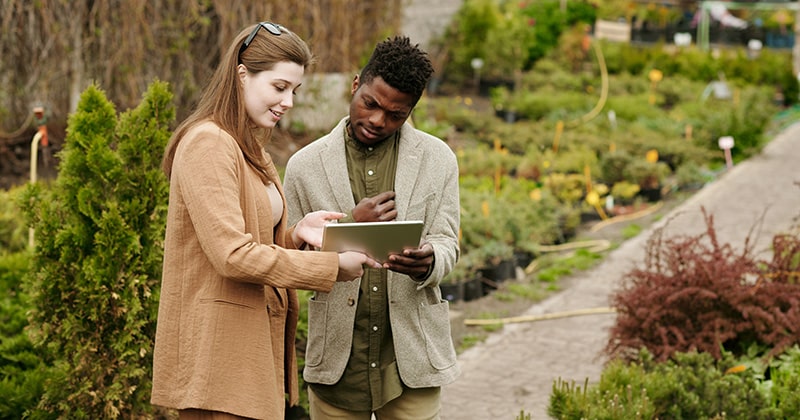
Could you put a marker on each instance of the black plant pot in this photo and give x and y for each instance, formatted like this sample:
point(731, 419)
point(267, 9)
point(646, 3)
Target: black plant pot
point(650, 194)
point(498, 273)
point(452, 292)
point(523, 259)
point(473, 289)
point(590, 216)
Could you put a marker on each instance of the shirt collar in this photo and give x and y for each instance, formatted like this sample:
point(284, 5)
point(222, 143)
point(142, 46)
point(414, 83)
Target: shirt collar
point(350, 141)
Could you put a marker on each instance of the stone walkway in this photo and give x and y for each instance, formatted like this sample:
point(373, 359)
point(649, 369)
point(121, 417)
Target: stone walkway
point(515, 368)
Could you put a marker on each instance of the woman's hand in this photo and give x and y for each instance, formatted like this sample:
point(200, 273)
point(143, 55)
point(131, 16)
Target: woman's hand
point(351, 265)
point(309, 229)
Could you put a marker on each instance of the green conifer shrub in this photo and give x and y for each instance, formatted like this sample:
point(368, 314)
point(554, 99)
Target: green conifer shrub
point(97, 264)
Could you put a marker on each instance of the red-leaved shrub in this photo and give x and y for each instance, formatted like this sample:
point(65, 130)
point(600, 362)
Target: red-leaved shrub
point(694, 293)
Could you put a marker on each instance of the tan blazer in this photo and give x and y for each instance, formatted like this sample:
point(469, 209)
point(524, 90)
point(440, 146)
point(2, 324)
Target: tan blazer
point(226, 318)
point(426, 186)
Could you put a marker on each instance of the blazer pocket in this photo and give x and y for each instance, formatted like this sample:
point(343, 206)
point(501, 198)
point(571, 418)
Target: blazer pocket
point(317, 317)
point(435, 322)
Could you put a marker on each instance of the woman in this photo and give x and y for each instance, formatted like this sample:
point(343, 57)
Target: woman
point(227, 313)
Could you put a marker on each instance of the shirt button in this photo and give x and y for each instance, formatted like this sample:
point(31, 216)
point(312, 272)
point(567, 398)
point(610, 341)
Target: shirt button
point(351, 302)
point(374, 328)
point(374, 288)
point(373, 364)
point(370, 172)
point(369, 148)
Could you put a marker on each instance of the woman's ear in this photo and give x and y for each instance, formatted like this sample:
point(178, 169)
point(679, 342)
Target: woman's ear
point(242, 71)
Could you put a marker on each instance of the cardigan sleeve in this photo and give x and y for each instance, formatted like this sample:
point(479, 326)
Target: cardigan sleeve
point(208, 170)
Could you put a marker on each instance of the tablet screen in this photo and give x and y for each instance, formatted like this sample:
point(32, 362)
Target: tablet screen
point(376, 239)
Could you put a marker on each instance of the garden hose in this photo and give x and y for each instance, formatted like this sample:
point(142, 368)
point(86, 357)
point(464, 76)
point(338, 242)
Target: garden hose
point(601, 61)
point(595, 245)
point(626, 217)
point(19, 131)
point(543, 317)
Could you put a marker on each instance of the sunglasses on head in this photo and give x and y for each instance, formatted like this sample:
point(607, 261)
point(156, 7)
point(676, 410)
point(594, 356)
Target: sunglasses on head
point(273, 28)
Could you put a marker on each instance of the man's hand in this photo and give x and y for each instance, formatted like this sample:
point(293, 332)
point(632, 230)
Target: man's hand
point(413, 262)
point(379, 208)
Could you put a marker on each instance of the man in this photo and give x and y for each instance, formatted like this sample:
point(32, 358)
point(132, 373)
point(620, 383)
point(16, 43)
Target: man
point(382, 344)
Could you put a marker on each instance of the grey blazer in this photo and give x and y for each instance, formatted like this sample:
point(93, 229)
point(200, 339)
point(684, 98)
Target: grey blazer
point(426, 187)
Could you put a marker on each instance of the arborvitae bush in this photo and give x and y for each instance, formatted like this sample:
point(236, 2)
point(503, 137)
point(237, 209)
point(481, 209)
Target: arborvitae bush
point(97, 262)
point(695, 293)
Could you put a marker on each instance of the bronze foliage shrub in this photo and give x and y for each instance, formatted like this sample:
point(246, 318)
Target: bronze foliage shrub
point(697, 294)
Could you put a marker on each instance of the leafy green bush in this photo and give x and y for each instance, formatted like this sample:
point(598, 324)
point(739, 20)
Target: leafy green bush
point(97, 263)
point(772, 68)
point(23, 367)
point(13, 232)
point(688, 386)
point(509, 36)
point(785, 381)
point(535, 105)
point(613, 164)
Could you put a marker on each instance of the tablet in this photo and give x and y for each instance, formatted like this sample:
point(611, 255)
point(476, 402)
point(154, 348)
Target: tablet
point(376, 239)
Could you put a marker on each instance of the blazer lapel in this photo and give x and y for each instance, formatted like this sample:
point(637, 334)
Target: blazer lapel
point(409, 161)
point(334, 163)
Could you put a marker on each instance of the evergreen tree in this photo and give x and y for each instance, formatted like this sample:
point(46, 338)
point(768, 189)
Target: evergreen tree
point(97, 263)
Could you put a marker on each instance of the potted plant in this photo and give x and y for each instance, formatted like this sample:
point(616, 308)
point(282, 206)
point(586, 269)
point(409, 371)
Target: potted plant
point(649, 176)
point(691, 177)
point(498, 263)
point(453, 285)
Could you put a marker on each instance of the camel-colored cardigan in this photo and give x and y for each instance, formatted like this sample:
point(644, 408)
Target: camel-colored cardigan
point(227, 312)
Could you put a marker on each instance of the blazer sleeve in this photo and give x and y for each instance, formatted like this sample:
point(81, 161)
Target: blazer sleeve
point(443, 232)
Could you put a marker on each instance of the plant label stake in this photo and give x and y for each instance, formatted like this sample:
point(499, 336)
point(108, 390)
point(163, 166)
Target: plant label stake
point(726, 144)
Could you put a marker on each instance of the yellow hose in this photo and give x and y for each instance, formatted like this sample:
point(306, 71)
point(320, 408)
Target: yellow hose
point(594, 245)
point(543, 317)
point(601, 61)
point(626, 217)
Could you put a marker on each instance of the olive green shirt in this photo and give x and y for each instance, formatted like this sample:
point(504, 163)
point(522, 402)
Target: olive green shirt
point(371, 378)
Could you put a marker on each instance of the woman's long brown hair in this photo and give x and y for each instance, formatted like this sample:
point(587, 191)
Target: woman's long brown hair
point(222, 100)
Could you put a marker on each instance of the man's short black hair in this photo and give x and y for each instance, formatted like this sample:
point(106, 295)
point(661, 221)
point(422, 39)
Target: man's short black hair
point(402, 65)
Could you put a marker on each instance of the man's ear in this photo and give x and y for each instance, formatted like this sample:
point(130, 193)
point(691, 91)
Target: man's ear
point(241, 70)
point(354, 87)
